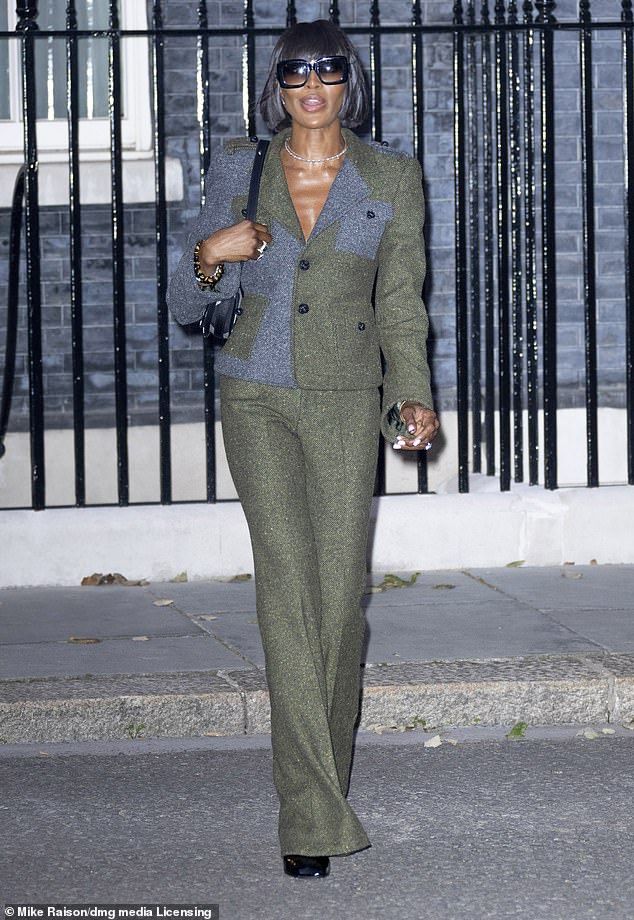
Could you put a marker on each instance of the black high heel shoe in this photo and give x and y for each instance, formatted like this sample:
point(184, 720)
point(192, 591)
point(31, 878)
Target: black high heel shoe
point(307, 866)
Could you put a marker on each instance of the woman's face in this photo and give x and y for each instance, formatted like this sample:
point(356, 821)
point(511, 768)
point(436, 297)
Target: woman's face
point(314, 105)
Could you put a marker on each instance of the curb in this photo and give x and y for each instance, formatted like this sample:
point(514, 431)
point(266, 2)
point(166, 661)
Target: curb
point(538, 689)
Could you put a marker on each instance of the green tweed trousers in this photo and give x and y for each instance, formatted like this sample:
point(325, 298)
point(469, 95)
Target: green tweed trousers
point(303, 463)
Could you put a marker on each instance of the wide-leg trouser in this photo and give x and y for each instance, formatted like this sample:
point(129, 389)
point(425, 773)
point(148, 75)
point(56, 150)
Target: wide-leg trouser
point(303, 463)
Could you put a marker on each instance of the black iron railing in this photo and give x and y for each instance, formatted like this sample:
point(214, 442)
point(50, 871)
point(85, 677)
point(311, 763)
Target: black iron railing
point(505, 245)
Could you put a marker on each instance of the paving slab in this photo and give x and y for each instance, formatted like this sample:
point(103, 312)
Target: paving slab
point(478, 629)
point(611, 628)
point(564, 587)
point(208, 596)
point(45, 615)
point(117, 656)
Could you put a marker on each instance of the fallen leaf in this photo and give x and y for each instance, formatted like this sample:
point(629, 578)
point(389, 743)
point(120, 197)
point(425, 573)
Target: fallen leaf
point(140, 638)
point(572, 574)
point(215, 734)
point(43, 754)
point(181, 577)
point(395, 581)
point(449, 741)
point(112, 578)
point(162, 602)
point(568, 563)
point(207, 616)
point(434, 742)
point(518, 730)
point(442, 587)
point(629, 725)
point(246, 576)
point(608, 731)
point(515, 564)
point(589, 733)
point(83, 640)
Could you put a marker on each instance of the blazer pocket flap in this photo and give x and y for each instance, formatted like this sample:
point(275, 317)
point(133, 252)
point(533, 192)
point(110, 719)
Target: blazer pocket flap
point(361, 228)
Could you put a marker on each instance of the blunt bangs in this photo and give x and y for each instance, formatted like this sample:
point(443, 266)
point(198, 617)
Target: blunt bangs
point(309, 41)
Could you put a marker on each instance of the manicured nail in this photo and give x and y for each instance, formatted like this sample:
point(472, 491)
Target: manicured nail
point(416, 442)
point(411, 427)
point(397, 445)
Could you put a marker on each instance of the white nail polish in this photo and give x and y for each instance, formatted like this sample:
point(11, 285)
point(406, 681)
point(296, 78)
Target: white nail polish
point(416, 442)
point(397, 445)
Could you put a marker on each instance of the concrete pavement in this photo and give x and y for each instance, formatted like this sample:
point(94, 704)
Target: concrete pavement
point(550, 645)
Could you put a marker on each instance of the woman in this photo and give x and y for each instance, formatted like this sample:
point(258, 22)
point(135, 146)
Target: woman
point(332, 272)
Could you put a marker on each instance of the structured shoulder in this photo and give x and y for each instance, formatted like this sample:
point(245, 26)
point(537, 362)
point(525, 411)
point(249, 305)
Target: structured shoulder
point(391, 152)
point(241, 145)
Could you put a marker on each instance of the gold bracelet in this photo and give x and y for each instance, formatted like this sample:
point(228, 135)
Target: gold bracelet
point(206, 281)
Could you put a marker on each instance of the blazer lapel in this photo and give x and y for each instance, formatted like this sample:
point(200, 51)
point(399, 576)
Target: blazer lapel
point(275, 200)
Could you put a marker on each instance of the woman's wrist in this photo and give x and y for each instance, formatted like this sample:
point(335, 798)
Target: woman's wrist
point(206, 279)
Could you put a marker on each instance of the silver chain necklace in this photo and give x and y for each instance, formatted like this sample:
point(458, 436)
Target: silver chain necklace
point(296, 156)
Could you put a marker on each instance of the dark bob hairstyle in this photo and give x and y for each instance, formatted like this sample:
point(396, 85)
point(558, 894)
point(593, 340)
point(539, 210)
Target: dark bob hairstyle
point(309, 41)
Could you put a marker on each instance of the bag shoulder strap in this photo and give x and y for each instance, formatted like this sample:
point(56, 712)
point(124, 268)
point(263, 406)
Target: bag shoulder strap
point(256, 175)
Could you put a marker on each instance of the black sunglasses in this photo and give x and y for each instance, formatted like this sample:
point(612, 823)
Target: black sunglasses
point(330, 70)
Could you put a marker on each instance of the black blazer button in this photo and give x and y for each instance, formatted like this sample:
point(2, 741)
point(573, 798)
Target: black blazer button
point(361, 327)
point(371, 214)
point(244, 212)
point(239, 311)
point(304, 264)
point(303, 308)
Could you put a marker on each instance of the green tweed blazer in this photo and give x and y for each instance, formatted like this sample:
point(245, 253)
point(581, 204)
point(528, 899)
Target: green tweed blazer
point(319, 313)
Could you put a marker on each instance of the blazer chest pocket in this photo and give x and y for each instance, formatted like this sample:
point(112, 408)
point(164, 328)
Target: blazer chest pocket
point(361, 229)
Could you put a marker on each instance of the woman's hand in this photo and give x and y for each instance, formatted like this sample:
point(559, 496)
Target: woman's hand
point(234, 244)
point(422, 426)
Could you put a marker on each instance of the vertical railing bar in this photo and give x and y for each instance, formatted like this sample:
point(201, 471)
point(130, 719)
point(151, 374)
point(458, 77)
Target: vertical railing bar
point(248, 69)
point(487, 182)
point(118, 266)
point(530, 251)
point(376, 128)
point(13, 281)
point(76, 293)
point(628, 181)
point(419, 153)
point(474, 242)
point(375, 71)
point(462, 330)
point(202, 108)
point(589, 266)
point(502, 222)
point(546, 20)
point(516, 245)
point(333, 12)
point(27, 26)
point(160, 224)
point(291, 13)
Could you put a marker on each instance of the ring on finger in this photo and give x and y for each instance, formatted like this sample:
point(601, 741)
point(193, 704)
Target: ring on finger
point(262, 247)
